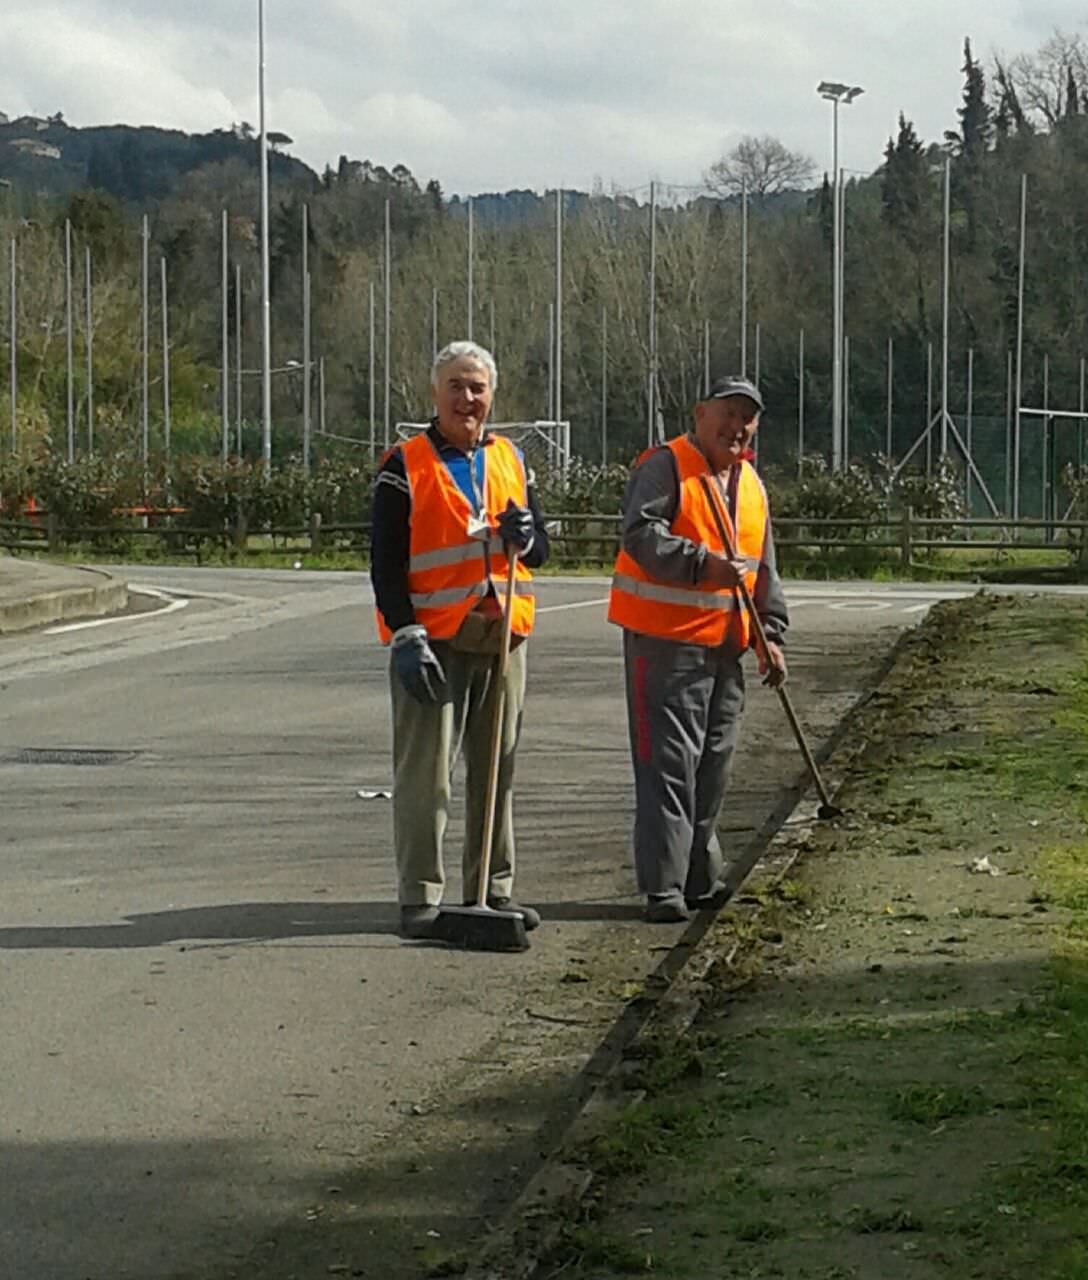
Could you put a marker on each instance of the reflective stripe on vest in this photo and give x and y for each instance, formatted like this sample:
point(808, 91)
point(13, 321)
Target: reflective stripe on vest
point(649, 590)
point(449, 572)
point(454, 595)
point(696, 614)
point(473, 549)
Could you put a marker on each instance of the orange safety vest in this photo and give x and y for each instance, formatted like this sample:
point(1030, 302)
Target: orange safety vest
point(449, 572)
point(698, 614)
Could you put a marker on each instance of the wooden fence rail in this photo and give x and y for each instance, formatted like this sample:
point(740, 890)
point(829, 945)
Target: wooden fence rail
point(577, 537)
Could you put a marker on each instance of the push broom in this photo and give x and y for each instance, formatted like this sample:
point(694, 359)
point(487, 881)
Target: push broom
point(827, 810)
point(479, 927)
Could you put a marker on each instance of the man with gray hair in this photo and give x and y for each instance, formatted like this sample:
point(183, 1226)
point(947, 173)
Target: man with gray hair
point(449, 504)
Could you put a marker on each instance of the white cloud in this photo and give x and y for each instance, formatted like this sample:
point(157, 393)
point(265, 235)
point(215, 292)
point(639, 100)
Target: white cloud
point(511, 93)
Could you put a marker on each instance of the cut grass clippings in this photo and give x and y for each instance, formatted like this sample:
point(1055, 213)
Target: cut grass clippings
point(891, 1076)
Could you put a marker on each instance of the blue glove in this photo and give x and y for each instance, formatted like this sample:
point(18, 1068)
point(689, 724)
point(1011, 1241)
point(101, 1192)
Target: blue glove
point(416, 664)
point(516, 527)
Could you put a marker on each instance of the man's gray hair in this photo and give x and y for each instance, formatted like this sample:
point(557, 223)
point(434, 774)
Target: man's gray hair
point(455, 350)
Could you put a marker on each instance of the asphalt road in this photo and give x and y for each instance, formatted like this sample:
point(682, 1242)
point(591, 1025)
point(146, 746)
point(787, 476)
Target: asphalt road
point(218, 1059)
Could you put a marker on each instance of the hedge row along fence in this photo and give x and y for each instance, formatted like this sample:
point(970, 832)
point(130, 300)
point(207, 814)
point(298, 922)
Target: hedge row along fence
point(198, 505)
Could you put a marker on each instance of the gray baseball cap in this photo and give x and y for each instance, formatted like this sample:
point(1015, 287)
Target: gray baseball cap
point(732, 385)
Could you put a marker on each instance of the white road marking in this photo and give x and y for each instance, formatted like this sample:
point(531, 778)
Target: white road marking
point(173, 605)
point(864, 606)
point(890, 593)
point(577, 604)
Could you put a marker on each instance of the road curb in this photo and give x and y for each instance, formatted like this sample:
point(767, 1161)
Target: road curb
point(101, 595)
point(517, 1243)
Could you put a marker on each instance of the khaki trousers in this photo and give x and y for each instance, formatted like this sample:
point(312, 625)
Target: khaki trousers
point(427, 742)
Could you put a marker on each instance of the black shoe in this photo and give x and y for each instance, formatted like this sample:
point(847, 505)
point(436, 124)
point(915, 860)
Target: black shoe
point(714, 897)
point(667, 908)
point(508, 906)
point(418, 922)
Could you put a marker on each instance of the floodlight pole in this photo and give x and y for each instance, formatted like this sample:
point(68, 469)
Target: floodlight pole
point(891, 394)
point(558, 304)
point(266, 296)
point(970, 425)
point(238, 357)
point(706, 357)
point(165, 362)
point(471, 302)
point(651, 391)
point(836, 93)
point(70, 380)
point(88, 344)
point(370, 376)
point(434, 322)
point(13, 350)
point(306, 337)
point(800, 402)
point(145, 351)
point(944, 304)
point(744, 279)
point(224, 281)
point(307, 378)
point(388, 319)
point(604, 387)
point(1019, 351)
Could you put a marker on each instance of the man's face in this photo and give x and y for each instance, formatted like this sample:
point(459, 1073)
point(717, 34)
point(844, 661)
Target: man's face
point(724, 429)
point(462, 401)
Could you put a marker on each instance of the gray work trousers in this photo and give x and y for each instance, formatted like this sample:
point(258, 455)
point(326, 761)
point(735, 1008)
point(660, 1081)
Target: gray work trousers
point(684, 704)
point(427, 741)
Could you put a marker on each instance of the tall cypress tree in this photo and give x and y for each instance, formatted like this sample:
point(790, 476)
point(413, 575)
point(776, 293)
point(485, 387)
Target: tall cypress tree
point(970, 144)
point(972, 140)
point(905, 184)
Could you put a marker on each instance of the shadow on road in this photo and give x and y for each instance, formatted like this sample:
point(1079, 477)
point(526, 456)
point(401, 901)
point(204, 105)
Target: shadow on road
point(236, 921)
point(259, 922)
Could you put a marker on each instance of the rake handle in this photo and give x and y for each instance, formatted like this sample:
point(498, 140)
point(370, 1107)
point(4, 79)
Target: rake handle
point(502, 665)
point(762, 646)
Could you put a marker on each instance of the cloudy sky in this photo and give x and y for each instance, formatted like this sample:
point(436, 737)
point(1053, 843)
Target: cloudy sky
point(493, 94)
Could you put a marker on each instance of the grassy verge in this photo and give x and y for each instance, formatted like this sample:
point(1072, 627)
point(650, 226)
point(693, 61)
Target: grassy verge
point(892, 1076)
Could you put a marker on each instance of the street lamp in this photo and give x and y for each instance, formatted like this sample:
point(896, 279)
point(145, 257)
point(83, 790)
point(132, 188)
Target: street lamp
point(837, 93)
point(266, 301)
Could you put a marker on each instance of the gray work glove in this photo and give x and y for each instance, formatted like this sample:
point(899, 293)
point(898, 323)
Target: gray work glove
point(516, 526)
point(416, 664)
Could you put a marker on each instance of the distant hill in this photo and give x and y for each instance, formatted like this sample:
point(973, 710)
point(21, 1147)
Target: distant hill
point(144, 165)
point(47, 156)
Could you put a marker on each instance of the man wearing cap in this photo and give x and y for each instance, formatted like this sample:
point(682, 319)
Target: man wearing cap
point(685, 630)
point(449, 505)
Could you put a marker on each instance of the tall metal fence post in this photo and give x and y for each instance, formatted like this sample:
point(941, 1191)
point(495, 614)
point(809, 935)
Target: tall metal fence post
point(906, 536)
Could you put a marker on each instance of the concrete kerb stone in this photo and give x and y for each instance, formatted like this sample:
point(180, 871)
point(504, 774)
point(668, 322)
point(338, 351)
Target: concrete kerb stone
point(530, 1228)
point(26, 607)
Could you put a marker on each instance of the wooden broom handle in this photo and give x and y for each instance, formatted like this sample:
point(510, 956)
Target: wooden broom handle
point(501, 667)
point(712, 494)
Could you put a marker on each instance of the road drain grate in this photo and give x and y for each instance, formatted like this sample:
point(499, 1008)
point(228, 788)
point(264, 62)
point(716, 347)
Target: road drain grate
point(66, 755)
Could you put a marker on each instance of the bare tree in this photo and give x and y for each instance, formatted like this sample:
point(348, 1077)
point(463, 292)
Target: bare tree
point(765, 165)
point(1041, 79)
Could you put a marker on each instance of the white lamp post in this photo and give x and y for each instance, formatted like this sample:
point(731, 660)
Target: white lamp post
point(266, 300)
point(835, 94)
